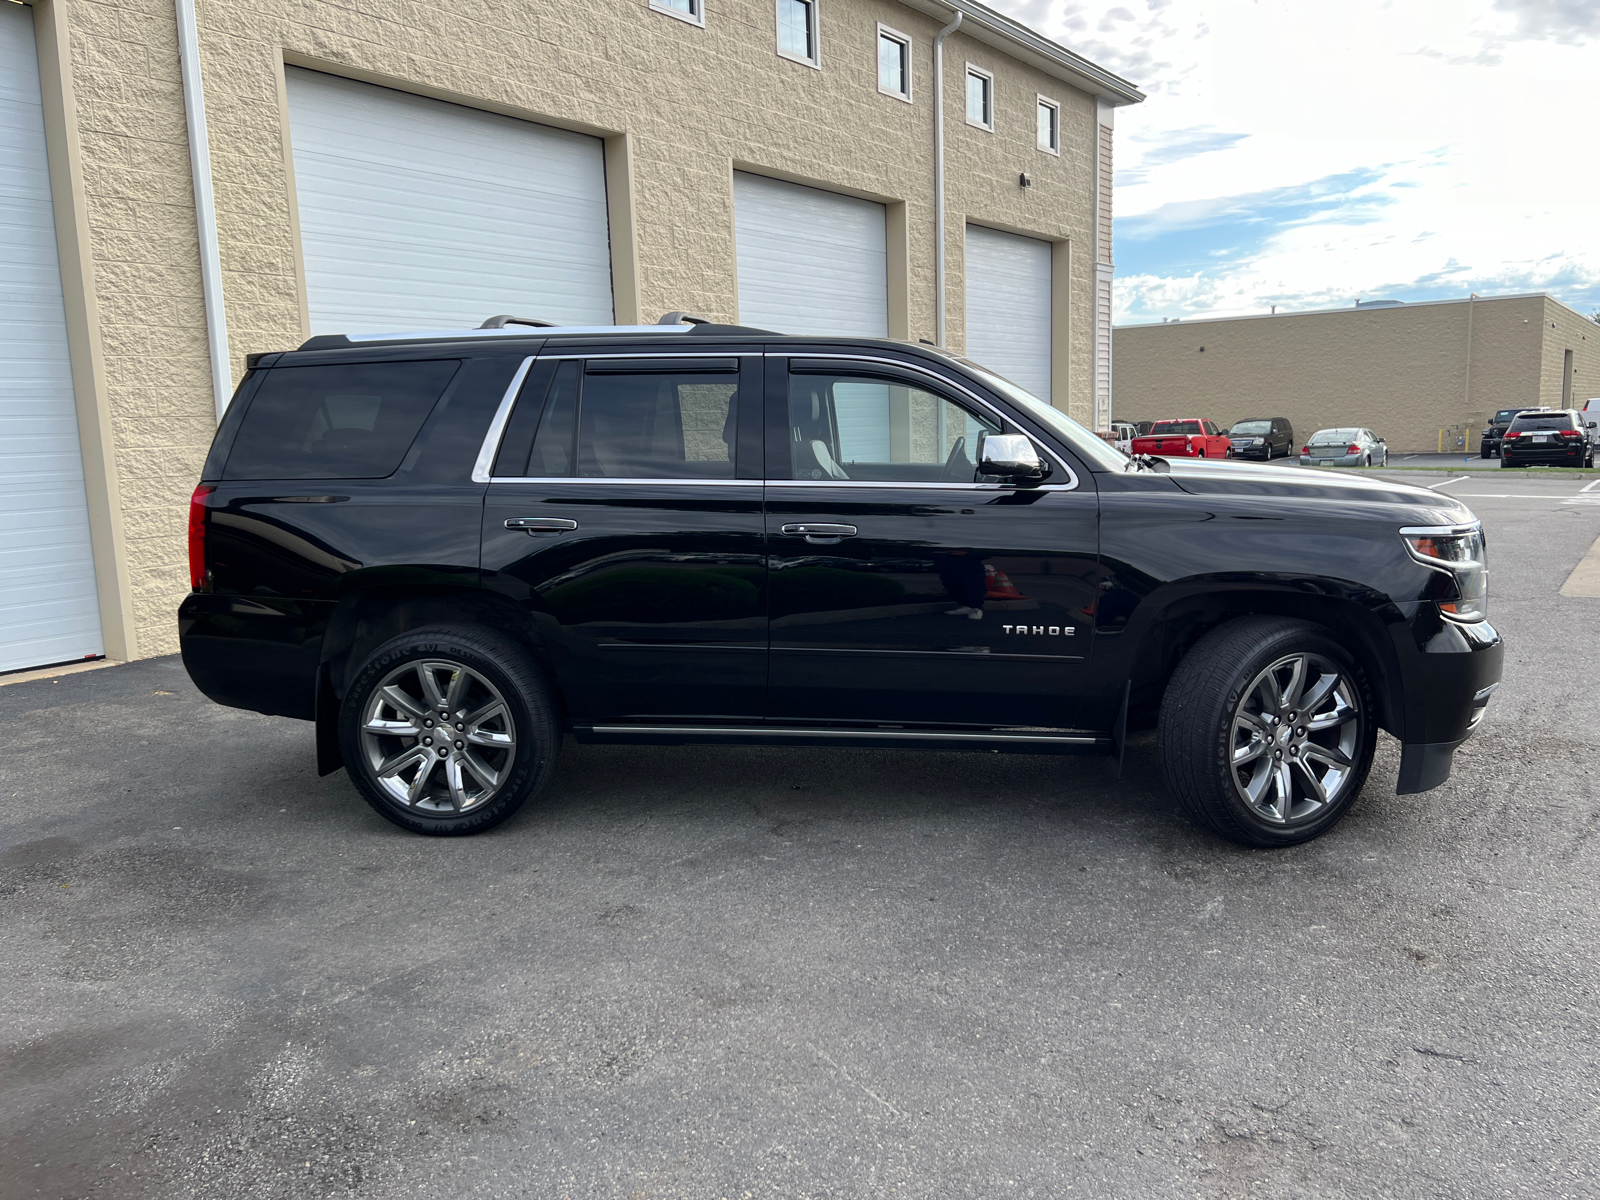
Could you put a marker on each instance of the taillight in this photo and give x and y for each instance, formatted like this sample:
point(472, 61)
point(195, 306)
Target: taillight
point(1511, 433)
point(1571, 433)
point(1352, 448)
point(1305, 449)
point(197, 536)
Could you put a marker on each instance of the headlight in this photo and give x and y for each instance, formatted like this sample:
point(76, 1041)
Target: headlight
point(1458, 552)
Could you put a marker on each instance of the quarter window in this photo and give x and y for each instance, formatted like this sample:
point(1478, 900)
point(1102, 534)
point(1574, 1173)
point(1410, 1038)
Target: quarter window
point(980, 98)
point(349, 421)
point(797, 30)
point(855, 427)
point(894, 63)
point(692, 11)
point(1049, 125)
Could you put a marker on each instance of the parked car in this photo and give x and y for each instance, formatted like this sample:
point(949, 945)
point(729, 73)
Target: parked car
point(1125, 432)
point(1262, 437)
point(1142, 427)
point(1494, 431)
point(448, 551)
point(1344, 448)
point(1190, 438)
point(1555, 437)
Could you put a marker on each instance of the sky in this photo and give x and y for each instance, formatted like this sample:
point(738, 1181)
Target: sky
point(1312, 153)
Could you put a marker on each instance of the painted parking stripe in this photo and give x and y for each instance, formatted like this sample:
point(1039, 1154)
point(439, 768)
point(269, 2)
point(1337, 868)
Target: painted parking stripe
point(1447, 482)
point(1585, 577)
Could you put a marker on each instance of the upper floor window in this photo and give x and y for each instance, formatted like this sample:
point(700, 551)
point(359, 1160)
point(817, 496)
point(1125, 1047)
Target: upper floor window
point(1049, 125)
point(980, 98)
point(797, 30)
point(693, 11)
point(894, 63)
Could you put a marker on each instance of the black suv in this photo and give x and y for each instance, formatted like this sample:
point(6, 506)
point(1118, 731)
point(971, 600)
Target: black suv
point(1555, 437)
point(449, 550)
point(1493, 433)
point(1265, 438)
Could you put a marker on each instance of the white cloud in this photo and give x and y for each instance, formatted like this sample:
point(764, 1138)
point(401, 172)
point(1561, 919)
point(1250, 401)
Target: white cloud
point(1306, 154)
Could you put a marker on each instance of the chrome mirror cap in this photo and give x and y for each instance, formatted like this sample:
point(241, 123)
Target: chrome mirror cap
point(1011, 456)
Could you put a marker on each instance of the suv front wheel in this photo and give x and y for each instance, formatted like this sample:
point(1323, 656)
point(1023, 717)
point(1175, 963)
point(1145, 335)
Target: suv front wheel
point(448, 730)
point(1267, 731)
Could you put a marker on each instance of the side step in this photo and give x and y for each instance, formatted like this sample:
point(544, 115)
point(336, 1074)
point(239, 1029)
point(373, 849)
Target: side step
point(1007, 741)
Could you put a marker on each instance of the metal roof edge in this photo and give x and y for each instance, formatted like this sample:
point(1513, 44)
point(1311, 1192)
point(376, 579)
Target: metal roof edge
point(1313, 312)
point(1016, 39)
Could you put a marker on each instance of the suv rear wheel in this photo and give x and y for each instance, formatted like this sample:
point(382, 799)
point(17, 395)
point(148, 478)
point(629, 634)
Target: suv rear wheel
point(448, 730)
point(1266, 732)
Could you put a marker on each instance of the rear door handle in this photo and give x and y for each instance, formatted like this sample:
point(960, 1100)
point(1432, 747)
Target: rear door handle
point(820, 533)
point(536, 525)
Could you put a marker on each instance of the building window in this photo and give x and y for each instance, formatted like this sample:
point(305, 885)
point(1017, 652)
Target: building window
point(692, 11)
point(894, 63)
point(980, 98)
point(797, 30)
point(1049, 125)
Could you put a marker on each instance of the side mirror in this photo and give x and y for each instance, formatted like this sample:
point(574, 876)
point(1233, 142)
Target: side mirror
point(1011, 456)
point(1593, 425)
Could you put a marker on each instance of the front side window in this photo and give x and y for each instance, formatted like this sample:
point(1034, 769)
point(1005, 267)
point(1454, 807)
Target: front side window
point(1049, 126)
point(692, 11)
point(344, 421)
point(980, 98)
point(856, 427)
point(797, 30)
point(894, 63)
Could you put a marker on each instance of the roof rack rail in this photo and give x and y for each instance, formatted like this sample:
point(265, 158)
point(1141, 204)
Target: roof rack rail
point(682, 318)
point(504, 319)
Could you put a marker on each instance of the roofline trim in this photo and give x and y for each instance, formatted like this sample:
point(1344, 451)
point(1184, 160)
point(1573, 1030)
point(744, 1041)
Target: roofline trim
point(1312, 312)
point(1016, 39)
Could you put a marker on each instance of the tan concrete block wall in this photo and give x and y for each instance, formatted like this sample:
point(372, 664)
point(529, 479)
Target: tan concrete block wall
point(1564, 330)
point(1401, 372)
point(693, 103)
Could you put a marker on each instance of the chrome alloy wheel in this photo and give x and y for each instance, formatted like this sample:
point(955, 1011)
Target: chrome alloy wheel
point(438, 737)
point(1294, 737)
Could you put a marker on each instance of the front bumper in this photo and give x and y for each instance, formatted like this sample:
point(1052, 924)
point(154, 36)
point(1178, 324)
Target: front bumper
point(1450, 671)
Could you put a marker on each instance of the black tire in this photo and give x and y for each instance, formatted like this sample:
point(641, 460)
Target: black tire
point(1483, 452)
point(497, 672)
point(1217, 681)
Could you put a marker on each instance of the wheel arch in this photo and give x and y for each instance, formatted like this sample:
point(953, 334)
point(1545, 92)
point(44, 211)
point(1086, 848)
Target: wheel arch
point(1172, 627)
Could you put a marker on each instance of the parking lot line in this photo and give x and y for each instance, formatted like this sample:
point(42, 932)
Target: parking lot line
point(1585, 577)
point(1590, 487)
point(1457, 479)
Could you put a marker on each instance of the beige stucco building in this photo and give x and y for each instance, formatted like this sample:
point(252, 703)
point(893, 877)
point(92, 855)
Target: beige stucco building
point(1423, 376)
point(407, 164)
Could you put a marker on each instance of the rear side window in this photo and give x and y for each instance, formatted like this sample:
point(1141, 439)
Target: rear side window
point(348, 421)
point(1175, 427)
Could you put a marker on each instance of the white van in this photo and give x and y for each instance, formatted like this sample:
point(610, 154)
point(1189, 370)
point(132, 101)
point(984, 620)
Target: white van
point(1591, 418)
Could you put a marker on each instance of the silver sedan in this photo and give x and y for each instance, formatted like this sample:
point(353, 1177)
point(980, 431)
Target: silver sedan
point(1344, 448)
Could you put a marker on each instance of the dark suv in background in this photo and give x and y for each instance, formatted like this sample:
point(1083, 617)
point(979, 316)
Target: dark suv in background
point(449, 551)
point(1265, 438)
point(1554, 437)
point(1493, 433)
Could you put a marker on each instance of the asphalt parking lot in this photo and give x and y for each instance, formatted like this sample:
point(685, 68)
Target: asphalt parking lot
point(753, 973)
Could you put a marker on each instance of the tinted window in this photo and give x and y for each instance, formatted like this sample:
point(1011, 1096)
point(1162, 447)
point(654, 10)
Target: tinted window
point(552, 446)
point(657, 426)
point(1251, 428)
point(1505, 414)
point(858, 427)
point(1326, 437)
point(350, 421)
point(1175, 427)
point(1537, 421)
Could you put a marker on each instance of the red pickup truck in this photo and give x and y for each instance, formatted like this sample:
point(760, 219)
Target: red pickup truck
point(1192, 438)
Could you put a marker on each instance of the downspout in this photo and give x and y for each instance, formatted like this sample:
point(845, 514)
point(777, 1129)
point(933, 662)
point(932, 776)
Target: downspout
point(205, 209)
point(938, 173)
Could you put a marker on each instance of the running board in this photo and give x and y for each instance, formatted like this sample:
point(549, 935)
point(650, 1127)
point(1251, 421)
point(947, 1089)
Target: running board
point(782, 735)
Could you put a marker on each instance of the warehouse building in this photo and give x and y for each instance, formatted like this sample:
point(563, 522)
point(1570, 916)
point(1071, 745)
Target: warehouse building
point(180, 194)
point(1425, 377)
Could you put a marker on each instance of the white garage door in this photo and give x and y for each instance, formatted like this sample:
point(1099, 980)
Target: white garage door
point(48, 608)
point(1008, 306)
point(417, 214)
point(810, 261)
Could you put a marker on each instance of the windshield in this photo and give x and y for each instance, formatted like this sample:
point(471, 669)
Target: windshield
point(1505, 414)
point(1535, 421)
point(1327, 437)
point(1175, 427)
point(1084, 442)
point(1252, 427)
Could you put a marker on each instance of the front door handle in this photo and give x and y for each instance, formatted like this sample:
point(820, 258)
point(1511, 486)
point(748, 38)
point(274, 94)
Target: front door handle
point(820, 533)
point(537, 525)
